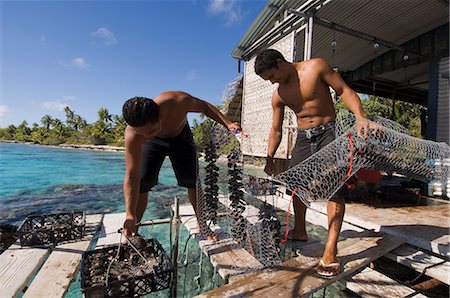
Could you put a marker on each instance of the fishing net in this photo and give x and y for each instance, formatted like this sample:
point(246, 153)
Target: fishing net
point(386, 147)
point(254, 228)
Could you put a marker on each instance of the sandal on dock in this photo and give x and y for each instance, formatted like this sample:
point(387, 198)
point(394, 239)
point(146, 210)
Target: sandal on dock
point(328, 270)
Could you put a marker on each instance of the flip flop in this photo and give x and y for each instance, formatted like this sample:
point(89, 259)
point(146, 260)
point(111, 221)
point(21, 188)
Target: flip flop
point(328, 270)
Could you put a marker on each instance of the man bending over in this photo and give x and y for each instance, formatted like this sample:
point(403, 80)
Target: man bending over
point(156, 129)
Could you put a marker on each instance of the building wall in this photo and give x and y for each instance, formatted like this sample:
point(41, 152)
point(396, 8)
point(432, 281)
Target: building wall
point(443, 108)
point(257, 108)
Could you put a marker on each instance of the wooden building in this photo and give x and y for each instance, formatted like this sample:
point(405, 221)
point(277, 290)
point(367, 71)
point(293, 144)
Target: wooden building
point(394, 49)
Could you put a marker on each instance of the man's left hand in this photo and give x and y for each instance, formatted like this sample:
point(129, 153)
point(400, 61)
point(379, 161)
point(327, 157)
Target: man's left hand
point(234, 127)
point(364, 125)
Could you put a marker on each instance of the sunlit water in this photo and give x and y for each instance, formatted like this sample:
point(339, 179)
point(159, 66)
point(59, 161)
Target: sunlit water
point(38, 180)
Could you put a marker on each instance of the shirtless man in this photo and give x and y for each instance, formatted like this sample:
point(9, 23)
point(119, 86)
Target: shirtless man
point(156, 129)
point(304, 88)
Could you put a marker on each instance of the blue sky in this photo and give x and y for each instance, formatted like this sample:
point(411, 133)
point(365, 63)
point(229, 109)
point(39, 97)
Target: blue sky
point(92, 54)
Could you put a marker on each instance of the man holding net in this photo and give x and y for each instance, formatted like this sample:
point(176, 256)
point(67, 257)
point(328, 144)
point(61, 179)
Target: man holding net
point(304, 88)
point(156, 129)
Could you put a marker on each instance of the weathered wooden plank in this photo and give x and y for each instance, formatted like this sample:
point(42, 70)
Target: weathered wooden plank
point(370, 284)
point(426, 227)
point(112, 222)
point(419, 260)
point(312, 215)
point(17, 267)
point(297, 277)
point(407, 255)
point(224, 254)
point(61, 267)
point(251, 213)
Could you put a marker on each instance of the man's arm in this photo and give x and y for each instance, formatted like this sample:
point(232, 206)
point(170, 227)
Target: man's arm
point(275, 132)
point(197, 105)
point(335, 81)
point(131, 183)
point(348, 95)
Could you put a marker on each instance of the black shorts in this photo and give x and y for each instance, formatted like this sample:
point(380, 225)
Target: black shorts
point(309, 141)
point(182, 153)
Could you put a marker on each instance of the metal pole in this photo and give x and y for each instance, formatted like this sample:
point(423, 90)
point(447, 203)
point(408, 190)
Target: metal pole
point(176, 225)
point(306, 47)
point(310, 34)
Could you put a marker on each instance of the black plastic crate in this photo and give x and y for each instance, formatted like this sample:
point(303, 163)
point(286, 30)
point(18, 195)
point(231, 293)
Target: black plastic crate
point(94, 266)
point(52, 228)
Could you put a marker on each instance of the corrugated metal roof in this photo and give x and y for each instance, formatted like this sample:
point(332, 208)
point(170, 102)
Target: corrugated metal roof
point(395, 21)
point(266, 21)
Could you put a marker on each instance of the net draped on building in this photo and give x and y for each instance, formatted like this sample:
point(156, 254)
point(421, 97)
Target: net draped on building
point(257, 107)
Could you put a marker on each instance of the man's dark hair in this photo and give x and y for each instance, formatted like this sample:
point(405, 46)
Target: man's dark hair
point(266, 60)
point(138, 111)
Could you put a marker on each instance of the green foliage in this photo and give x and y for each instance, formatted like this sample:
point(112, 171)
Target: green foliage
point(107, 130)
point(404, 113)
point(202, 135)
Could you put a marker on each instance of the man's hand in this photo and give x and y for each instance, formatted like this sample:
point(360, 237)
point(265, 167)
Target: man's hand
point(129, 227)
point(234, 127)
point(270, 166)
point(364, 126)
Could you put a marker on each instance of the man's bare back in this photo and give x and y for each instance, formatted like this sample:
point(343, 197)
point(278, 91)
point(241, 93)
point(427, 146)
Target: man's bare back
point(173, 107)
point(148, 120)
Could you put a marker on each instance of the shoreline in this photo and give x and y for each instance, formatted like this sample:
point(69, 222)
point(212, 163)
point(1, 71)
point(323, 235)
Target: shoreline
point(72, 146)
point(108, 148)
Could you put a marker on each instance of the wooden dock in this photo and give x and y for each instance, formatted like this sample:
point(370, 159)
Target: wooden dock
point(297, 277)
point(421, 251)
point(226, 255)
point(60, 265)
point(48, 272)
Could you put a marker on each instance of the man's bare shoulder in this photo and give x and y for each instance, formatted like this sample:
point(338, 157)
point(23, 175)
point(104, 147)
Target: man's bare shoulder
point(317, 64)
point(276, 98)
point(172, 96)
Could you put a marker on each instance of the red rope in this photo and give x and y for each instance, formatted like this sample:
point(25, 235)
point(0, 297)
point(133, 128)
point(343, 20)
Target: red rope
point(349, 186)
point(350, 169)
point(287, 217)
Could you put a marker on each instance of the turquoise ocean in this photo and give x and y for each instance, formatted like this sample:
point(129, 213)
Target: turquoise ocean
point(39, 179)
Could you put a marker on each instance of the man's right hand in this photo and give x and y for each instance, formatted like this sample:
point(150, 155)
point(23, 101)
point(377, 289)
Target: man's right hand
point(270, 166)
point(129, 227)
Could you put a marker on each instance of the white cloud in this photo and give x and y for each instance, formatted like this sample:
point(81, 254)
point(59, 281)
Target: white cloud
point(54, 105)
point(68, 97)
point(3, 110)
point(229, 9)
point(191, 74)
point(105, 36)
point(79, 63)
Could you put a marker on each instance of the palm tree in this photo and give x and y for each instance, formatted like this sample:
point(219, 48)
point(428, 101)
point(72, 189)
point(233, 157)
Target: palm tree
point(119, 122)
point(56, 122)
point(10, 131)
point(23, 128)
point(70, 115)
point(78, 122)
point(46, 121)
point(103, 115)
